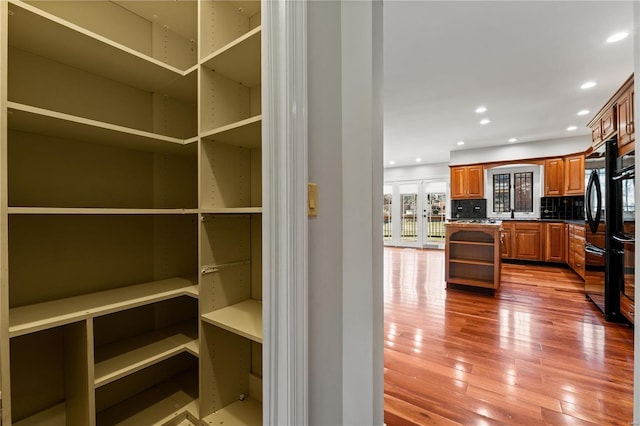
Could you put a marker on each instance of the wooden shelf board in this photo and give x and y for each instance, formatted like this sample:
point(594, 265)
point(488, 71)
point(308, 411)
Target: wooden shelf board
point(32, 119)
point(41, 316)
point(159, 405)
point(96, 211)
point(54, 416)
point(125, 357)
point(472, 262)
point(472, 243)
point(244, 319)
point(239, 60)
point(231, 210)
point(75, 46)
point(247, 412)
point(246, 133)
point(471, 282)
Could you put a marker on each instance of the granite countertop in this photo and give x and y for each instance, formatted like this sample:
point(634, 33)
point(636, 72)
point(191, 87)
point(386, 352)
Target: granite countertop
point(474, 222)
point(535, 219)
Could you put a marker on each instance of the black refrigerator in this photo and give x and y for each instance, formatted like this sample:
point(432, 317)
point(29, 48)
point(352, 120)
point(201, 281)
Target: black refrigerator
point(602, 263)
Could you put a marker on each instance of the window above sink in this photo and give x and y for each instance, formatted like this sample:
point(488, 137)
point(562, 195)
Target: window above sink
point(514, 187)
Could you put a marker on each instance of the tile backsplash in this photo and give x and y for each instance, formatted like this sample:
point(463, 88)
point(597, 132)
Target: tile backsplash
point(571, 208)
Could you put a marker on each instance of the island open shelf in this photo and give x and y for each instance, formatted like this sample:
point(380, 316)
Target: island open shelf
point(472, 254)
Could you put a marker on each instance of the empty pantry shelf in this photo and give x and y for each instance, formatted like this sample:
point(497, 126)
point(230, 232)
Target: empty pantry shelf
point(244, 319)
point(73, 45)
point(32, 119)
point(121, 358)
point(41, 316)
point(240, 59)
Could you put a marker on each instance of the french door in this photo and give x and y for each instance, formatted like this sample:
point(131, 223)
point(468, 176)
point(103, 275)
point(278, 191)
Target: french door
point(414, 213)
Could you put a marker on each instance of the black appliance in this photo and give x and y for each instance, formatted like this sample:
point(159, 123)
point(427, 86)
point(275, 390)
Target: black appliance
point(601, 193)
point(469, 209)
point(624, 176)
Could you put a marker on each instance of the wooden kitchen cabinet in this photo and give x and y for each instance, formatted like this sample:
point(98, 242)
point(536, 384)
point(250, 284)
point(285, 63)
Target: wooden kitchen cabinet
point(608, 124)
point(615, 117)
point(521, 240)
point(626, 130)
point(575, 250)
point(527, 242)
point(472, 255)
point(627, 307)
point(506, 245)
point(554, 242)
point(467, 182)
point(574, 175)
point(553, 177)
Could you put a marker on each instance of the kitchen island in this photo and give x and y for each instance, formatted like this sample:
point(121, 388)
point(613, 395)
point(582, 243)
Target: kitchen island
point(472, 252)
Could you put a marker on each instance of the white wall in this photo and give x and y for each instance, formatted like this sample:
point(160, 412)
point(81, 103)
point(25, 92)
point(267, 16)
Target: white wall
point(423, 171)
point(325, 231)
point(345, 239)
point(519, 151)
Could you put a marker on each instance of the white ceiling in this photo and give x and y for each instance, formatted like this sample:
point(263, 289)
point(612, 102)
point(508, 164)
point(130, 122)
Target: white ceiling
point(523, 60)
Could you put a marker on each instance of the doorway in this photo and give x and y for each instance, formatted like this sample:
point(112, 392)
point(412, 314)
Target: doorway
point(415, 213)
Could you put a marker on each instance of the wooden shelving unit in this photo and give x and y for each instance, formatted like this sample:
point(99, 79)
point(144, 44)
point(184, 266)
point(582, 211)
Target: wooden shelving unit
point(473, 255)
point(131, 219)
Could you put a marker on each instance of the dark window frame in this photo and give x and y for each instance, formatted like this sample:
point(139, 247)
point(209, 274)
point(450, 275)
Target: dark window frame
point(522, 196)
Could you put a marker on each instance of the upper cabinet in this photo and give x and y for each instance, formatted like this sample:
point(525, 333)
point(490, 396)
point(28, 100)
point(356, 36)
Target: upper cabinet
point(564, 176)
point(553, 177)
point(467, 182)
point(625, 121)
point(615, 118)
point(574, 175)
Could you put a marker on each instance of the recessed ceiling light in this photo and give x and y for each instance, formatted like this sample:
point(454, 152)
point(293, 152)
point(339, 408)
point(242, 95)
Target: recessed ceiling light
point(588, 85)
point(392, 162)
point(481, 109)
point(583, 112)
point(571, 128)
point(513, 140)
point(461, 143)
point(485, 121)
point(617, 37)
point(418, 160)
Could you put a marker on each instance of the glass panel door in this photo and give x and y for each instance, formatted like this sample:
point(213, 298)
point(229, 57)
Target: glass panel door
point(387, 230)
point(433, 213)
point(409, 215)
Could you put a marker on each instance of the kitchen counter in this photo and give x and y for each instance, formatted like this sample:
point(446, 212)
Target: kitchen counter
point(474, 222)
point(571, 221)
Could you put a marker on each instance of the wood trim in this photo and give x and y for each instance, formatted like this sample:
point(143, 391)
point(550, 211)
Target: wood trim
point(536, 160)
point(607, 106)
point(285, 241)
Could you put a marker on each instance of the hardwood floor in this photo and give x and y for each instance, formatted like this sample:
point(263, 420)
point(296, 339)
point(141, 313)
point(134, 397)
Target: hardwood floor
point(536, 353)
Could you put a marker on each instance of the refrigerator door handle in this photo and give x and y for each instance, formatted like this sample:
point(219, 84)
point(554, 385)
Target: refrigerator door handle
point(591, 249)
point(594, 184)
point(624, 238)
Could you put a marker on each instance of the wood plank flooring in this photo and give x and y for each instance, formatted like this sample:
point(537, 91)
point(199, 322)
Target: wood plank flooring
point(536, 353)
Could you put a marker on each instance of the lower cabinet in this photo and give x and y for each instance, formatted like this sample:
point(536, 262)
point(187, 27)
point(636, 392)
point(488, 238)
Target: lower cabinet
point(627, 307)
point(521, 240)
point(575, 249)
point(506, 235)
point(554, 242)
